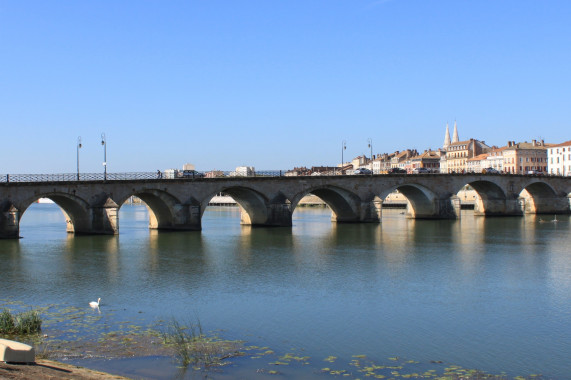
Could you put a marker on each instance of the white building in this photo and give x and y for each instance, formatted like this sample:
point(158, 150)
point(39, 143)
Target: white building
point(443, 166)
point(243, 171)
point(476, 164)
point(170, 173)
point(496, 159)
point(559, 159)
point(381, 163)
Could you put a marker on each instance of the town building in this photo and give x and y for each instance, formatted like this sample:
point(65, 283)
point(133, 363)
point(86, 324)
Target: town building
point(399, 160)
point(359, 162)
point(324, 170)
point(298, 172)
point(443, 164)
point(458, 153)
point(429, 159)
point(559, 159)
point(524, 157)
point(496, 159)
point(477, 164)
point(214, 174)
point(382, 163)
point(455, 153)
point(243, 171)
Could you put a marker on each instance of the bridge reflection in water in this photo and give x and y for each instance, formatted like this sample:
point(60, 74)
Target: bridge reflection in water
point(91, 206)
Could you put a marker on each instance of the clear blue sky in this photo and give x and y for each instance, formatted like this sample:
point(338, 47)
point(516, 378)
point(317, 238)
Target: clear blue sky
point(273, 84)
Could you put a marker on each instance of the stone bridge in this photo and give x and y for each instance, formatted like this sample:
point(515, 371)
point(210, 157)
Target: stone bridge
point(91, 207)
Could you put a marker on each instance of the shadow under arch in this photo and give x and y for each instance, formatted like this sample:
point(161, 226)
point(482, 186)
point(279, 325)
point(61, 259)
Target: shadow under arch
point(161, 206)
point(253, 205)
point(491, 199)
point(343, 203)
point(74, 209)
point(540, 198)
point(421, 201)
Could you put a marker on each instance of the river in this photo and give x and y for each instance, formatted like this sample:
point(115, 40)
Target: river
point(492, 294)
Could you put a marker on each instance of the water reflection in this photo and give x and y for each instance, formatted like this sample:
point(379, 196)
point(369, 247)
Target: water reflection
point(475, 291)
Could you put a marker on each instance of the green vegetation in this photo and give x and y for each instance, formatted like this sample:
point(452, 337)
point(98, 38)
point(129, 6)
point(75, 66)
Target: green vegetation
point(28, 322)
point(192, 346)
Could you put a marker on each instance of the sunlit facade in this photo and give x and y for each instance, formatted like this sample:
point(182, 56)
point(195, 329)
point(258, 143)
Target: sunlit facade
point(525, 158)
point(559, 159)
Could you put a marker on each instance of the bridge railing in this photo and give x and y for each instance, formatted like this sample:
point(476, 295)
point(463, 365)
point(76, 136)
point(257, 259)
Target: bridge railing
point(190, 175)
point(70, 177)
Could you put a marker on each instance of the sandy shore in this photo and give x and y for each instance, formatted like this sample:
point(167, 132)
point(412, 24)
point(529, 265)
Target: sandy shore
point(47, 369)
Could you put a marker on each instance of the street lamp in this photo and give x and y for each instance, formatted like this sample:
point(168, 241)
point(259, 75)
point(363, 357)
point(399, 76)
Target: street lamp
point(370, 141)
point(104, 143)
point(78, 147)
point(343, 147)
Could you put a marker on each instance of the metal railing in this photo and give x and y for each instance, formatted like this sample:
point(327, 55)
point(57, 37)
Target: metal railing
point(133, 176)
point(180, 175)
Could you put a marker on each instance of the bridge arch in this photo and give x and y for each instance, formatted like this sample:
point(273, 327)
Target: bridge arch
point(492, 200)
point(422, 202)
point(163, 207)
point(540, 198)
point(344, 204)
point(75, 209)
point(253, 204)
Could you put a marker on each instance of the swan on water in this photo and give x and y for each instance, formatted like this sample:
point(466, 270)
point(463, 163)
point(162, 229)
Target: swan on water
point(95, 304)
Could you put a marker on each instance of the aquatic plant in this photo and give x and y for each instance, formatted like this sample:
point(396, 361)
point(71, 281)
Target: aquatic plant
point(28, 322)
point(6, 322)
point(192, 346)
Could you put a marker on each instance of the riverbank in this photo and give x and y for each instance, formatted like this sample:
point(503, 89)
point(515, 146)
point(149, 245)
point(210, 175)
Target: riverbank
point(48, 369)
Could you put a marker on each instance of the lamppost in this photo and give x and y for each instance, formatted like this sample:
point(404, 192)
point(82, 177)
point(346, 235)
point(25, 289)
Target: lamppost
point(343, 147)
point(370, 141)
point(104, 143)
point(78, 147)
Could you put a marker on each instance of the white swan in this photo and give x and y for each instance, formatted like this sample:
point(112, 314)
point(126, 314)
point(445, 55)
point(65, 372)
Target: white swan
point(95, 304)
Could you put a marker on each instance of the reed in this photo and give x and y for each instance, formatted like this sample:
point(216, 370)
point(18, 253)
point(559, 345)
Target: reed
point(25, 323)
point(6, 322)
point(193, 347)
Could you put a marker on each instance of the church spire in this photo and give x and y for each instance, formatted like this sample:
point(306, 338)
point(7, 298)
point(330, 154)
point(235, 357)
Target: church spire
point(455, 133)
point(446, 137)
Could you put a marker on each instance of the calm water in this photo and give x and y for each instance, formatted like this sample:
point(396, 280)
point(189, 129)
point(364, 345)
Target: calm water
point(492, 294)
